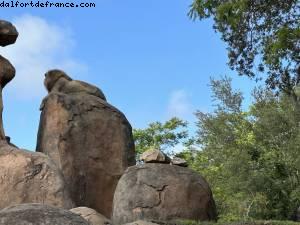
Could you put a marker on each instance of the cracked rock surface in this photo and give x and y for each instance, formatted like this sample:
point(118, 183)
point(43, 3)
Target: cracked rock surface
point(91, 215)
point(30, 177)
point(91, 142)
point(162, 192)
point(39, 214)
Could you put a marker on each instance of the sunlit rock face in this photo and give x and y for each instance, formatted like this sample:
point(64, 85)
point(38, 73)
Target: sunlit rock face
point(30, 177)
point(162, 192)
point(89, 139)
point(39, 214)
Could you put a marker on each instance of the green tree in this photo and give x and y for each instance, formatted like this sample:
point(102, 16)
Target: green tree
point(262, 35)
point(250, 157)
point(160, 135)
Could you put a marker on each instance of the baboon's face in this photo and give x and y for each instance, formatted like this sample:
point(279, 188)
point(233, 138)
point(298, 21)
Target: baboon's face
point(52, 76)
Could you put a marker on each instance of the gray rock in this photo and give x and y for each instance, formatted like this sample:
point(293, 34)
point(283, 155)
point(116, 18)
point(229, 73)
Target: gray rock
point(161, 192)
point(155, 156)
point(91, 142)
point(30, 177)
point(179, 162)
point(91, 215)
point(39, 214)
point(8, 33)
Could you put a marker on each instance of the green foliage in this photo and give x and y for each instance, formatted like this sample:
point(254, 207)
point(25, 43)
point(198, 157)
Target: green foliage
point(189, 222)
point(262, 35)
point(250, 158)
point(160, 135)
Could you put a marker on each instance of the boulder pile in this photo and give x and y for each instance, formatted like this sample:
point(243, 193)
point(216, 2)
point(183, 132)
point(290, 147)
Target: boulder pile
point(84, 171)
point(162, 192)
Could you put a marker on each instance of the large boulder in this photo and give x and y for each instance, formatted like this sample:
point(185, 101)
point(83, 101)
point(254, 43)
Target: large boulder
point(30, 177)
point(161, 192)
point(91, 215)
point(8, 33)
point(39, 214)
point(89, 139)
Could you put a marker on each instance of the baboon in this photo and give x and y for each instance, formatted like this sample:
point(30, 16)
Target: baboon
point(59, 81)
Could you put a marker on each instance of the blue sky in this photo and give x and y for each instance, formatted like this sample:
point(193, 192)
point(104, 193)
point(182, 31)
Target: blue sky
point(148, 57)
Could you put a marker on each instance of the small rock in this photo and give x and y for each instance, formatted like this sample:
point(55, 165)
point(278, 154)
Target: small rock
point(91, 215)
point(179, 162)
point(155, 156)
point(8, 33)
point(39, 214)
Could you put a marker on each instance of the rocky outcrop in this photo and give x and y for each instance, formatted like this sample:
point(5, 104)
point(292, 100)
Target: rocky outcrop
point(39, 214)
point(7, 73)
point(162, 192)
point(89, 139)
point(91, 215)
point(154, 156)
point(30, 177)
point(25, 177)
point(90, 144)
point(8, 33)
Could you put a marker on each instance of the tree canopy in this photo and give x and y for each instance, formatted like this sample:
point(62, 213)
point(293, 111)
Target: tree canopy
point(262, 36)
point(160, 135)
point(250, 157)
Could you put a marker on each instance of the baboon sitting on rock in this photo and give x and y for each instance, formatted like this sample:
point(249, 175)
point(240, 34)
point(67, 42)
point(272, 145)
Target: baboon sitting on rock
point(59, 81)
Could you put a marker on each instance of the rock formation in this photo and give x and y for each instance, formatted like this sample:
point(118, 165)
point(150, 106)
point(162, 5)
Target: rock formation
point(162, 192)
point(39, 214)
point(89, 139)
point(25, 177)
point(59, 81)
point(88, 146)
point(30, 177)
point(7, 73)
point(8, 33)
point(91, 215)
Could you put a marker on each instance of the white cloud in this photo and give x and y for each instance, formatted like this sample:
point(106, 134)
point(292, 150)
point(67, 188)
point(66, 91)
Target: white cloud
point(40, 46)
point(179, 105)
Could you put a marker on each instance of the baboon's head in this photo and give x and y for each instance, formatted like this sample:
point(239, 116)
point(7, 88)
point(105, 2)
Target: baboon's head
point(52, 76)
